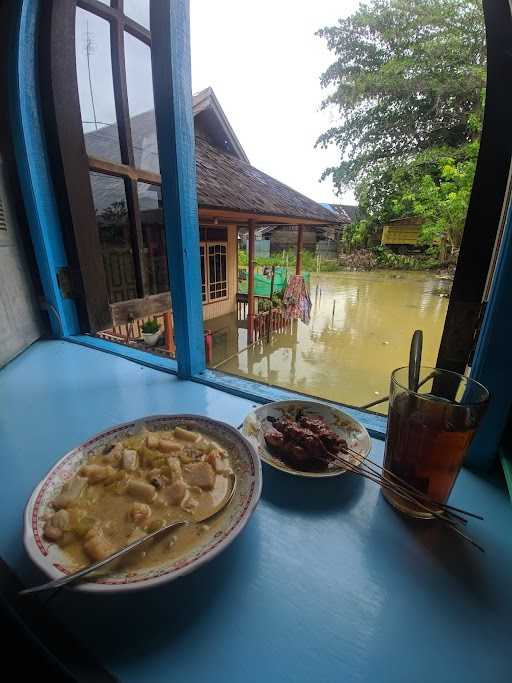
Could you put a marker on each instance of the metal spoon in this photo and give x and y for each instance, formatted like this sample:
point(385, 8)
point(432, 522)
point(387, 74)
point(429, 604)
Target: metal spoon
point(71, 578)
point(415, 360)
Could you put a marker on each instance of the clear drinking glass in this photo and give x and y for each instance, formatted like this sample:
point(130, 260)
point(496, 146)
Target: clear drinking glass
point(429, 432)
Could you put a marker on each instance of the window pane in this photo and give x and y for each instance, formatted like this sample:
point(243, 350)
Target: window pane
point(95, 86)
point(114, 231)
point(153, 237)
point(141, 103)
point(138, 10)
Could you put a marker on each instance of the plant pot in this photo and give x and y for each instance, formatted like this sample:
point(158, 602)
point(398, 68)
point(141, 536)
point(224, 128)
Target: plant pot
point(151, 338)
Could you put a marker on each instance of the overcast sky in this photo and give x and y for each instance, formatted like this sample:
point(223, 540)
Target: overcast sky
point(264, 62)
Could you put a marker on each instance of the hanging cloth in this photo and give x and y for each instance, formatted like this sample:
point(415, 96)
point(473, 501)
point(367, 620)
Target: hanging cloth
point(296, 301)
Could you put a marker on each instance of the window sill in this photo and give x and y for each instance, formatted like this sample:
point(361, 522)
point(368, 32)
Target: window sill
point(136, 355)
point(237, 386)
point(265, 393)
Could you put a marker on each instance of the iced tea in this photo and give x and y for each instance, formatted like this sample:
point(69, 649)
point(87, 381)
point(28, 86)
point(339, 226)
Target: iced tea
point(429, 432)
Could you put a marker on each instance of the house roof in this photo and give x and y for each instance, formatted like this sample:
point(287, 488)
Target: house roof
point(228, 186)
point(224, 182)
point(205, 105)
point(341, 211)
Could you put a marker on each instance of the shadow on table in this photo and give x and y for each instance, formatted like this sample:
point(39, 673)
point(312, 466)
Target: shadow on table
point(447, 550)
point(310, 495)
point(131, 625)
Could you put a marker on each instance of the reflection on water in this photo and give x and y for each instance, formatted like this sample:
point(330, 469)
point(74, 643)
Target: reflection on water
point(347, 357)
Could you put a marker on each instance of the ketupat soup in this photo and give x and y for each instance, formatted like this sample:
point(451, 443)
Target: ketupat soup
point(135, 486)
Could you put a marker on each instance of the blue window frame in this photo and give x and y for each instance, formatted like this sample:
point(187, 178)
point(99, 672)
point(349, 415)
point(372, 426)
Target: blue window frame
point(172, 84)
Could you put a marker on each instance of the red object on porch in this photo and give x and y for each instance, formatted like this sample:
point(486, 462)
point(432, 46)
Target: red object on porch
point(208, 347)
point(169, 336)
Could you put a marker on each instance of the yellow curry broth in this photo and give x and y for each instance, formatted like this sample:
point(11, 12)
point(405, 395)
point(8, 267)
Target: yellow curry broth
point(106, 507)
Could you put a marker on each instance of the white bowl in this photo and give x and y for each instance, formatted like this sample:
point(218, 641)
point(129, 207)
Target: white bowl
point(52, 560)
point(345, 426)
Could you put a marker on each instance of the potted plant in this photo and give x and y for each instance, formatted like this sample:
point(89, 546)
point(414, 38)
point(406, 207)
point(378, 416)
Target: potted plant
point(151, 332)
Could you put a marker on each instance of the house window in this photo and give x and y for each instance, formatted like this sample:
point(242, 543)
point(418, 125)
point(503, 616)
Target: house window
point(217, 271)
point(214, 271)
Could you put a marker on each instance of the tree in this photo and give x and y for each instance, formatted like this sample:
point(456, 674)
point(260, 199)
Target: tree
point(408, 77)
point(441, 197)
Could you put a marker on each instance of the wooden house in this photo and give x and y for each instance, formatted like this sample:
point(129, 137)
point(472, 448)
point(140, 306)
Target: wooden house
point(402, 234)
point(283, 237)
point(231, 195)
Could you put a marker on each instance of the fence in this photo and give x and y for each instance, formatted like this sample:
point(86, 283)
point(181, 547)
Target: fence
point(268, 322)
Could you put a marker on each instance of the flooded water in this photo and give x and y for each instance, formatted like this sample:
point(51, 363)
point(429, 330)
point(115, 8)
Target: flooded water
point(347, 356)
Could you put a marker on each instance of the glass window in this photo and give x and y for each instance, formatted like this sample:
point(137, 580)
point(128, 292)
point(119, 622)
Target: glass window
point(138, 10)
point(109, 198)
point(141, 103)
point(217, 269)
point(153, 238)
point(95, 86)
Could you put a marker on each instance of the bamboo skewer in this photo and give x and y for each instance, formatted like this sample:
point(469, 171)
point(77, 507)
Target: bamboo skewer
point(378, 479)
point(414, 490)
point(420, 493)
point(408, 495)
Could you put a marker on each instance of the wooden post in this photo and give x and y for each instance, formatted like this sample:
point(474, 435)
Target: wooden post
point(300, 245)
point(269, 330)
point(272, 282)
point(250, 284)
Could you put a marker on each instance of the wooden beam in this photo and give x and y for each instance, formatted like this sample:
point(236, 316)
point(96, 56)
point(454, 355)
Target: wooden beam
point(233, 216)
point(124, 312)
point(69, 162)
point(300, 247)
point(487, 198)
point(250, 284)
point(123, 171)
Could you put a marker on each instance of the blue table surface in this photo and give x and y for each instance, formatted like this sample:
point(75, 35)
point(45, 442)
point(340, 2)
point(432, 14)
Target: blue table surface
point(326, 583)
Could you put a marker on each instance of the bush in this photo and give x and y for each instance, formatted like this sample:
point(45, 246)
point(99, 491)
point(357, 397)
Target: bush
point(288, 258)
point(385, 258)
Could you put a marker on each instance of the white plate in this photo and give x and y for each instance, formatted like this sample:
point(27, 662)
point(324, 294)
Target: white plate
point(52, 560)
point(351, 430)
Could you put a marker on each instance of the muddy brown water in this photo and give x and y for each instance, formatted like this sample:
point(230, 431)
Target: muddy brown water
point(346, 357)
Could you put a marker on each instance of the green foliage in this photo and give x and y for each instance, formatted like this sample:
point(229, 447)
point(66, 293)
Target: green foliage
point(150, 327)
point(408, 76)
point(408, 82)
point(385, 258)
point(287, 259)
